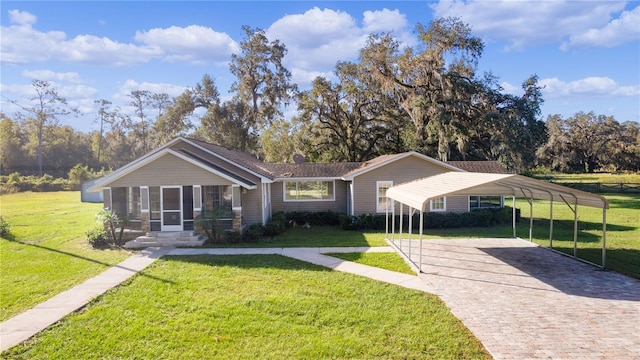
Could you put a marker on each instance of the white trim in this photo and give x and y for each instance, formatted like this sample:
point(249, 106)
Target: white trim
point(352, 211)
point(142, 204)
point(199, 198)
point(233, 197)
point(110, 207)
point(444, 205)
point(378, 183)
point(164, 227)
point(284, 190)
point(397, 157)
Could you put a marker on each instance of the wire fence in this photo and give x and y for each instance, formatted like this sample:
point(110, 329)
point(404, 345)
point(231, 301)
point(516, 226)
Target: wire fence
point(599, 187)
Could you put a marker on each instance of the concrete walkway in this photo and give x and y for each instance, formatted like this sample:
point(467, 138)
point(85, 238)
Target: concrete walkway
point(23, 326)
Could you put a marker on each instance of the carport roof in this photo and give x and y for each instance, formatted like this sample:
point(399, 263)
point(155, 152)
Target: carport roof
point(418, 193)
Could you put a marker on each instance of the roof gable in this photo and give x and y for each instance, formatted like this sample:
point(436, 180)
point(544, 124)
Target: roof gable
point(387, 159)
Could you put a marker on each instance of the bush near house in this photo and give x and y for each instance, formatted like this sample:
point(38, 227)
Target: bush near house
point(433, 220)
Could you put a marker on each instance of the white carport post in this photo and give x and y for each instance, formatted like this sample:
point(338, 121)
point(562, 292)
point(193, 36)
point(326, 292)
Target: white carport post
point(421, 227)
point(400, 230)
point(604, 236)
point(513, 216)
point(410, 229)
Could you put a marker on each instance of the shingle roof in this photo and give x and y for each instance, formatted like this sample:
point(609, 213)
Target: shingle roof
point(493, 167)
point(309, 170)
point(240, 158)
point(328, 170)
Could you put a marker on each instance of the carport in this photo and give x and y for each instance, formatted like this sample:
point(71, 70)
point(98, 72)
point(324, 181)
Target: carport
point(416, 195)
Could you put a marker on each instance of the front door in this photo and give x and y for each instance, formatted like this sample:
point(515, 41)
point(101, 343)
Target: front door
point(171, 202)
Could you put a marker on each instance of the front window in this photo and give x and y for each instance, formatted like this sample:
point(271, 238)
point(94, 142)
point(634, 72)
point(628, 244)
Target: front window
point(439, 204)
point(216, 199)
point(309, 190)
point(481, 202)
point(383, 204)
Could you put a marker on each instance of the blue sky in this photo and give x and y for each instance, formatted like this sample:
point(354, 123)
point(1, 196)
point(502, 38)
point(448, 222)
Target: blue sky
point(585, 53)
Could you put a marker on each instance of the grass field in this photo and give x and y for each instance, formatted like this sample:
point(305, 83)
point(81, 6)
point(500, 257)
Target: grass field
point(596, 177)
point(249, 306)
point(255, 306)
point(46, 252)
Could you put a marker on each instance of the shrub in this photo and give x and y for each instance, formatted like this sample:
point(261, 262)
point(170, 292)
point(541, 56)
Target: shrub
point(253, 233)
point(5, 228)
point(97, 238)
point(232, 237)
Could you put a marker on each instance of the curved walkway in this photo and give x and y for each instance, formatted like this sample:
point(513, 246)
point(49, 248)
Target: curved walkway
point(520, 300)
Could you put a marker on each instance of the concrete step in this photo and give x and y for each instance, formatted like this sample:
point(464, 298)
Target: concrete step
point(160, 239)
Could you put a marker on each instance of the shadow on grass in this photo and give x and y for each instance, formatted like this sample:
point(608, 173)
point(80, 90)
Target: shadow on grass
point(268, 261)
point(106, 265)
point(563, 230)
point(568, 275)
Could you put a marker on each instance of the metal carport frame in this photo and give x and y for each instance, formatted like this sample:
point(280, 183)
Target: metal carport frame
point(417, 194)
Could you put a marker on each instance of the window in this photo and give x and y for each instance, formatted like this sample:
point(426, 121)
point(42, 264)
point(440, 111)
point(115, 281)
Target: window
point(154, 202)
point(216, 199)
point(309, 190)
point(383, 204)
point(483, 202)
point(439, 204)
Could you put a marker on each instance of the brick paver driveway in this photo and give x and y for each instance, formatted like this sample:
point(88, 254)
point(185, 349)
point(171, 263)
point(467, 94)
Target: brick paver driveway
point(523, 301)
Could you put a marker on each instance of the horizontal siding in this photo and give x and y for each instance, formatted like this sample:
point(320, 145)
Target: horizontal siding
point(217, 161)
point(404, 170)
point(457, 203)
point(169, 170)
point(339, 205)
point(252, 206)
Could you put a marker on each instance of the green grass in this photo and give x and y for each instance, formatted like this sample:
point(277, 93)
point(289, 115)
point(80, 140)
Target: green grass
point(255, 306)
point(317, 236)
point(47, 252)
point(389, 261)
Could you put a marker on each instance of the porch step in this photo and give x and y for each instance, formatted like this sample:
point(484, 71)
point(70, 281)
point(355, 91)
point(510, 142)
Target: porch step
point(171, 238)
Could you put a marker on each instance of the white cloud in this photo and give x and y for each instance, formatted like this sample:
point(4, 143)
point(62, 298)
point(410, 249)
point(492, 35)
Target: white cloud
point(22, 44)
point(619, 31)
point(21, 17)
point(589, 87)
point(48, 75)
point(192, 43)
point(318, 38)
point(384, 20)
point(526, 23)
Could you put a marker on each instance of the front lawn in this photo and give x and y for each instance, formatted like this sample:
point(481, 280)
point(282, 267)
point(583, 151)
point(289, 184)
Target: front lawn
point(388, 261)
point(255, 306)
point(46, 251)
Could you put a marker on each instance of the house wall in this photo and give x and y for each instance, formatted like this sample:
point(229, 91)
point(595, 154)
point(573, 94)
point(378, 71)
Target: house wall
point(339, 205)
point(457, 203)
point(252, 206)
point(400, 171)
point(218, 162)
point(169, 170)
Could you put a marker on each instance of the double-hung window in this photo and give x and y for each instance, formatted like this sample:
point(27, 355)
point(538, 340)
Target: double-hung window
point(439, 204)
point(383, 204)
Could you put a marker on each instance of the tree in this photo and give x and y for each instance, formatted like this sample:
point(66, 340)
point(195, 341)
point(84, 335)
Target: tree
point(106, 117)
point(347, 121)
point(228, 125)
point(10, 145)
point(580, 143)
point(262, 82)
point(422, 80)
point(282, 140)
point(140, 100)
point(46, 106)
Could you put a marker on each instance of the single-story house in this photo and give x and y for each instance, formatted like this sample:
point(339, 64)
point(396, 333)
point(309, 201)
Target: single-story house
point(169, 188)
